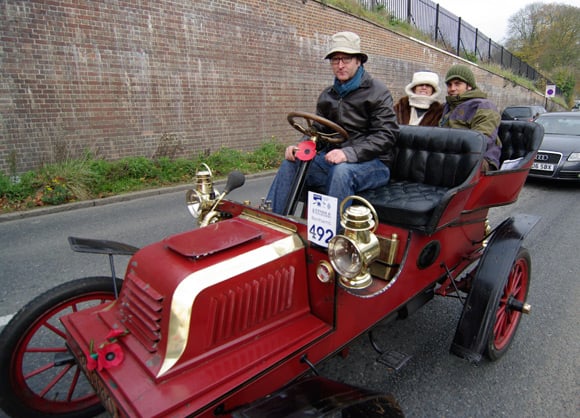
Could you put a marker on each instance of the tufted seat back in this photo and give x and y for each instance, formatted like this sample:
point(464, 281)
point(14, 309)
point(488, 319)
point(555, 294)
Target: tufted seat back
point(519, 139)
point(431, 167)
point(436, 156)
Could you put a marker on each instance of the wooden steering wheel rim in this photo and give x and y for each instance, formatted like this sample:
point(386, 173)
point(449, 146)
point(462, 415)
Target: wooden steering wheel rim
point(310, 131)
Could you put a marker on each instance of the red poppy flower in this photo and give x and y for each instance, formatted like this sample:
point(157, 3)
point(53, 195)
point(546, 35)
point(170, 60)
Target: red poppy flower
point(306, 151)
point(110, 355)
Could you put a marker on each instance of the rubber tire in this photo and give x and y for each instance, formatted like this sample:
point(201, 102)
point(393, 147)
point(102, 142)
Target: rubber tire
point(503, 329)
point(17, 398)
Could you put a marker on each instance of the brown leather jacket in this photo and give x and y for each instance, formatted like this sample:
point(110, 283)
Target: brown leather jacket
point(431, 117)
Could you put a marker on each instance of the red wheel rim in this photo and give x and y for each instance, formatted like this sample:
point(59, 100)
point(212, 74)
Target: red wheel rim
point(507, 319)
point(44, 386)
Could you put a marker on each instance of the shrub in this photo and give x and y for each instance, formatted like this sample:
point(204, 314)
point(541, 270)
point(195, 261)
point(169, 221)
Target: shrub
point(16, 189)
point(65, 181)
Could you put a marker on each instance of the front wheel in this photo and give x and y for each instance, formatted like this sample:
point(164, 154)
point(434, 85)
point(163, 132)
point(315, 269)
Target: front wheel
point(507, 318)
point(38, 377)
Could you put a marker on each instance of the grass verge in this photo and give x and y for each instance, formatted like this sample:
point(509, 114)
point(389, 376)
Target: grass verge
point(91, 178)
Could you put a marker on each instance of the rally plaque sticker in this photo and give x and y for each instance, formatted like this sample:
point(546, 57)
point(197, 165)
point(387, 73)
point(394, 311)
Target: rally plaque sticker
point(322, 212)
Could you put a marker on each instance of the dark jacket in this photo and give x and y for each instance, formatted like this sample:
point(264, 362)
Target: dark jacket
point(367, 115)
point(430, 118)
point(473, 110)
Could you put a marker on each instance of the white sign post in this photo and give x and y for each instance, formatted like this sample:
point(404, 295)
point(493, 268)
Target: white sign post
point(550, 90)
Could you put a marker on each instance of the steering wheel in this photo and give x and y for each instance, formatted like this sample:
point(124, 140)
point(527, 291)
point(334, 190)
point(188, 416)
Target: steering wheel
point(338, 136)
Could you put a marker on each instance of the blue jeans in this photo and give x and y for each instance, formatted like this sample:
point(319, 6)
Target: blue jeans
point(338, 180)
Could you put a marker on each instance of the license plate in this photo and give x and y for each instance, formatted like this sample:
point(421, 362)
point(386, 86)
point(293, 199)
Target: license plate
point(543, 166)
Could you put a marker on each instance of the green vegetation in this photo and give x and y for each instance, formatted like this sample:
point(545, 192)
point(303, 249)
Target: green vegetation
point(91, 178)
point(547, 35)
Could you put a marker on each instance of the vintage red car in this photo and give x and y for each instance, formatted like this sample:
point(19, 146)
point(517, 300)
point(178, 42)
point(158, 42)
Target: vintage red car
point(231, 318)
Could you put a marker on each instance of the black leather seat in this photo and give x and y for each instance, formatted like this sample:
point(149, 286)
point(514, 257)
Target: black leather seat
point(431, 166)
point(520, 139)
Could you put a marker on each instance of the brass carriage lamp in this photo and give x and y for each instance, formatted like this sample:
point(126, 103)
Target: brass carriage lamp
point(200, 199)
point(352, 252)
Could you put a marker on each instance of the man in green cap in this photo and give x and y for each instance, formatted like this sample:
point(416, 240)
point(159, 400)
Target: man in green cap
point(467, 107)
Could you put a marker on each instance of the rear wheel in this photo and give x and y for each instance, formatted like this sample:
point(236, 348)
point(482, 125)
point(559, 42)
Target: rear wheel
point(38, 377)
point(507, 318)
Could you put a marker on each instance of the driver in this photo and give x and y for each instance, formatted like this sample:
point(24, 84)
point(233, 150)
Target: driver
point(363, 106)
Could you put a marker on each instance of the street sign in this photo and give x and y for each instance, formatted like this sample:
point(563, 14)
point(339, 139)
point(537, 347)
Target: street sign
point(550, 90)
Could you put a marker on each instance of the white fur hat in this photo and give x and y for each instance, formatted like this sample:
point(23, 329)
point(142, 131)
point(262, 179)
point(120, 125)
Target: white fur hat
point(424, 77)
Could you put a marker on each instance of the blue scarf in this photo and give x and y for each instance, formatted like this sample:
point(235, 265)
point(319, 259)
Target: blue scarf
point(354, 83)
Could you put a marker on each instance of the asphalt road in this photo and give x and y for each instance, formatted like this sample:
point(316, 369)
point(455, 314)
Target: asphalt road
point(538, 377)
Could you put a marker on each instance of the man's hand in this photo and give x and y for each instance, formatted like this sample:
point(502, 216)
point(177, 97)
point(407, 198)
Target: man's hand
point(289, 154)
point(335, 156)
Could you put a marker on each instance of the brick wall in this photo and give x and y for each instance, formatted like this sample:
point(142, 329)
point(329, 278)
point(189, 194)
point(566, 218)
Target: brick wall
point(138, 77)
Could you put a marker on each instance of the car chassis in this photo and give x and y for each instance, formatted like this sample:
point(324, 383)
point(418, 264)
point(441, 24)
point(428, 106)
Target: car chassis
point(231, 318)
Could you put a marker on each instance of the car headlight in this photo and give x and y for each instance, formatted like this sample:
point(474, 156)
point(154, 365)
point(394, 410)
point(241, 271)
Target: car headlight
point(352, 252)
point(575, 156)
point(345, 256)
point(194, 201)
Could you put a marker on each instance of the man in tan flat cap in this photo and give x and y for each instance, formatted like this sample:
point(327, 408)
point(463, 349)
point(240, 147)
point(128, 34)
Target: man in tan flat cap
point(363, 106)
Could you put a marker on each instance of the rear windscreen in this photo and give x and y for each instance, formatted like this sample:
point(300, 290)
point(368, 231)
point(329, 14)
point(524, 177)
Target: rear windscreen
point(519, 112)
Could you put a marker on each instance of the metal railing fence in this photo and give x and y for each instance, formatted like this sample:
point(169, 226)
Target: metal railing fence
point(455, 35)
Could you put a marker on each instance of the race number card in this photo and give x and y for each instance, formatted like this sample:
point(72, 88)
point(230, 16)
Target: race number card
point(322, 212)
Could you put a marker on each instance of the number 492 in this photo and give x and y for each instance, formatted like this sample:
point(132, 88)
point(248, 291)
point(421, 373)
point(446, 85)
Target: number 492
point(320, 234)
